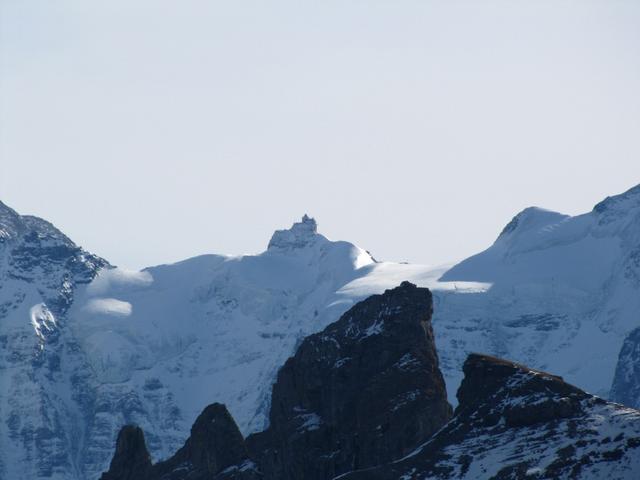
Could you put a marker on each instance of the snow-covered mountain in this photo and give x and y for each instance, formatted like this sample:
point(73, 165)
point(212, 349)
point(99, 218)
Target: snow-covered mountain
point(88, 348)
point(565, 291)
point(46, 387)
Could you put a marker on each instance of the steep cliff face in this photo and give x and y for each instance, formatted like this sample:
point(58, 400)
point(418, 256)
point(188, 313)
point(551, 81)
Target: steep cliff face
point(514, 422)
point(364, 391)
point(214, 451)
point(625, 387)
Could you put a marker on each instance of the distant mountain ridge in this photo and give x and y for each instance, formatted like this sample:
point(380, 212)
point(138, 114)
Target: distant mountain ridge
point(88, 347)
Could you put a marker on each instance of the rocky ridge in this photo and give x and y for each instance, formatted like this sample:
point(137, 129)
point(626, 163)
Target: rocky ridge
point(365, 390)
point(513, 422)
point(215, 450)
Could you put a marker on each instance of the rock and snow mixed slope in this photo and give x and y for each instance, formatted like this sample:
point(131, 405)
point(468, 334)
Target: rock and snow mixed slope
point(45, 385)
point(365, 399)
point(513, 422)
point(155, 347)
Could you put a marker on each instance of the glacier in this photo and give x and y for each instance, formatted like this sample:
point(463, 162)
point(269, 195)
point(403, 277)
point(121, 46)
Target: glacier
point(88, 347)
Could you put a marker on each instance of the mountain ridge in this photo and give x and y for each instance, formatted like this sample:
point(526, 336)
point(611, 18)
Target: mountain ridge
point(155, 347)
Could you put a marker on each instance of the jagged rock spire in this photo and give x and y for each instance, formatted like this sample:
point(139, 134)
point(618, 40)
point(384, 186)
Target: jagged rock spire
point(214, 451)
point(131, 460)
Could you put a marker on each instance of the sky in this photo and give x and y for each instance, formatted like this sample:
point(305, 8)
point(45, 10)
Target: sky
point(150, 131)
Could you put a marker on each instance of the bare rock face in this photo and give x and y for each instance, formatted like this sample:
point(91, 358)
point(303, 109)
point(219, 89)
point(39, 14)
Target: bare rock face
point(514, 422)
point(215, 450)
point(131, 460)
point(215, 444)
point(625, 388)
point(364, 391)
point(484, 387)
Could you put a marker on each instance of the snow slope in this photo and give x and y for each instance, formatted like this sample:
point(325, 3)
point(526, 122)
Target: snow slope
point(155, 347)
point(565, 292)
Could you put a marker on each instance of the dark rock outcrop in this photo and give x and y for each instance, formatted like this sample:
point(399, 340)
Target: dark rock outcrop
point(513, 422)
point(486, 381)
point(625, 388)
point(215, 450)
point(131, 460)
point(364, 391)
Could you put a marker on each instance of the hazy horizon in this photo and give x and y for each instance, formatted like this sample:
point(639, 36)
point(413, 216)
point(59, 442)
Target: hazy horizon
point(150, 132)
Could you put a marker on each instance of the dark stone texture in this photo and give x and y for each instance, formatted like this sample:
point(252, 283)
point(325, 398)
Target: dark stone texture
point(486, 376)
point(131, 460)
point(512, 419)
point(364, 391)
point(214, 451)
point(214, 445)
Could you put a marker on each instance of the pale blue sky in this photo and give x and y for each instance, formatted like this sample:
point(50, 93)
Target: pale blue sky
point(154, 130)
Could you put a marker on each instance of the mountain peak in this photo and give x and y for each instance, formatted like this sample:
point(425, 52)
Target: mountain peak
point(487, 376)
point(131, 460)
point(10, 222)
point(622, 201)
point(300, 235)
point(529, 219)
point(215, 444)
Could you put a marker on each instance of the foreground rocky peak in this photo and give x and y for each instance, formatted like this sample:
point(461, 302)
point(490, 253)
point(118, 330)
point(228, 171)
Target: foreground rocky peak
point(364, 391)
point(215, 450)
point(215, 444)
point(502, 389)
point(131, 460)
point(515, 422)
